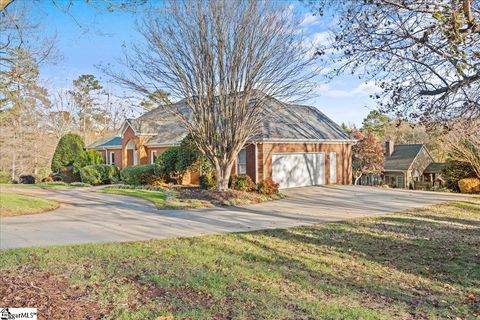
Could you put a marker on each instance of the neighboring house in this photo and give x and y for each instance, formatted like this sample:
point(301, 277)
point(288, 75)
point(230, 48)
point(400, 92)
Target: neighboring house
point(407, 165)
point(296, 145)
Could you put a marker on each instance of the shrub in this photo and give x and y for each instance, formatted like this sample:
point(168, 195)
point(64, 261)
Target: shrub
point(455, 171)
point(207, 182)
point(86, 158)
point(469, 185)
point(91, 175)
point(47, 179)
point(188, 155)
point(66, 174)
point(26, 179)
point(267, 187)
point(68, 148)
point(167, 163)
point(176, 161)
point(4, 177)
point(99, 174)
point(241, 182)
point(138, 175)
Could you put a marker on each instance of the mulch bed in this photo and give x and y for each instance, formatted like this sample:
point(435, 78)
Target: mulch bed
point(220, 197)
point(53, 296)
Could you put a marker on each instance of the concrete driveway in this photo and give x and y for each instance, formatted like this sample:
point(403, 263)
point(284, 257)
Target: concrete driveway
point(85, 216)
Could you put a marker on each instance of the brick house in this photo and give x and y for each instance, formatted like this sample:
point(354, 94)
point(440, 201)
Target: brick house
point(296, 145)
point(407, 165)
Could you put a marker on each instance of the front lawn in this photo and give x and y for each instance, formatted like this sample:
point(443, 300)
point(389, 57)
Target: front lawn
point(422, 264)
point(12, 204)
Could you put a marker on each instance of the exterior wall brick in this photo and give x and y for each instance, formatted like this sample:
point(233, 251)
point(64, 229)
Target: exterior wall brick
point(117, 156)
point(159, 151)
point(251, 161)
point(139, 141)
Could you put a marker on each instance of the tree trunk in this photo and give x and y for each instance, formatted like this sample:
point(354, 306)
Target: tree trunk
point(223, 171)
point(14, 157)
point(357, 178)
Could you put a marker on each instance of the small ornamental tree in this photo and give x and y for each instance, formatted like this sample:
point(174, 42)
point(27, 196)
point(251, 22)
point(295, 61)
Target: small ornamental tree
point(68, 149)
point(176, 161)
point(367, 154)
point(87, 158)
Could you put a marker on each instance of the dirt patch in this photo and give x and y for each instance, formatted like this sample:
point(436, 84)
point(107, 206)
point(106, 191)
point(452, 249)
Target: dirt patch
point(52, 295)
point(226, 198)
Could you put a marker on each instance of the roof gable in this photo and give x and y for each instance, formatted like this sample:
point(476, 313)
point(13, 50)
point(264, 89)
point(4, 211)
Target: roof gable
point(402, 157)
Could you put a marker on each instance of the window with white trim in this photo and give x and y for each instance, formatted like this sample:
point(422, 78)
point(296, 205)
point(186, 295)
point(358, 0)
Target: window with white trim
point(153, 156)
point(242, 162)
point(112, 157)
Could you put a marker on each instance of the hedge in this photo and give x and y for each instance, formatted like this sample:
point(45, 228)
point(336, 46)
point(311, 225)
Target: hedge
point(138, 175)
point(99, 174)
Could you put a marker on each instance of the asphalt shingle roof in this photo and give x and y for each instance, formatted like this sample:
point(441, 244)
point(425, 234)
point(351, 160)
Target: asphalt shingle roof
point(280, 121)
point(402, 156)
point(105, 142)
point(435, 167)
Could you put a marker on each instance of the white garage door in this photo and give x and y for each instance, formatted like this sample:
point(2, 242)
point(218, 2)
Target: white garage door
point(298, 169)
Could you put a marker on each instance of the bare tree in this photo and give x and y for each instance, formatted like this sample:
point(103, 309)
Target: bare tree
point(424, 54)
point(222, 57)
point(61, 114)
point(464, 145)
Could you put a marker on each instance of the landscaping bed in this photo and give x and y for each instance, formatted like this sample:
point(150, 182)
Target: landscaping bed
point(160, 197)
point(226, 198)
point(181, 197)
point(420, 264)
point(12, 204)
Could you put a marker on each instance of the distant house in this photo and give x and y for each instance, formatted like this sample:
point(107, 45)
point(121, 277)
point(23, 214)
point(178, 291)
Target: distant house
point(296, 145)
point(407, 166)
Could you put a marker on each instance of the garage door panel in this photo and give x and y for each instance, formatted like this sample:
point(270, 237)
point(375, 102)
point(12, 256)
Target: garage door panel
point(298, 170)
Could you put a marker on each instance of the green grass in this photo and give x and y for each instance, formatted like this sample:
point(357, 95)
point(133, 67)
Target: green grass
point(15, 204)
point(161, 199)
point(45, 185)
point(422, 264)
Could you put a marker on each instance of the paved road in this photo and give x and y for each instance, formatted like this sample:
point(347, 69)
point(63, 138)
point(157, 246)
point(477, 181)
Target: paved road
point(86, 216)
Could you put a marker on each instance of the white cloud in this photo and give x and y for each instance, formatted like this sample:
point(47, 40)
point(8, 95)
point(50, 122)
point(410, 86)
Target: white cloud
point(364, 89)
point(309, 20)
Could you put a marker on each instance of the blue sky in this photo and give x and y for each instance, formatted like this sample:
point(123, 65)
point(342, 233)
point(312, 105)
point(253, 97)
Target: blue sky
point(87, 37)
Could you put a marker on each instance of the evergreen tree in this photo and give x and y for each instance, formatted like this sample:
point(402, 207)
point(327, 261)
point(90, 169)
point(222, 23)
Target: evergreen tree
point(68, 149)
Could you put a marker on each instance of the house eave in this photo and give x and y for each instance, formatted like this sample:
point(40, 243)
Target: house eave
point(326, 141)
point(162, 144)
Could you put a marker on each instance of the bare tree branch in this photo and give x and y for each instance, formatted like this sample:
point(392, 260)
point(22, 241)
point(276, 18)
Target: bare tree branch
point(224, 58)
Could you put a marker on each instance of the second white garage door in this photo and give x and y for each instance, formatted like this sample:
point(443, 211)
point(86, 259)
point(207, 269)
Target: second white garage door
point(298, 169)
